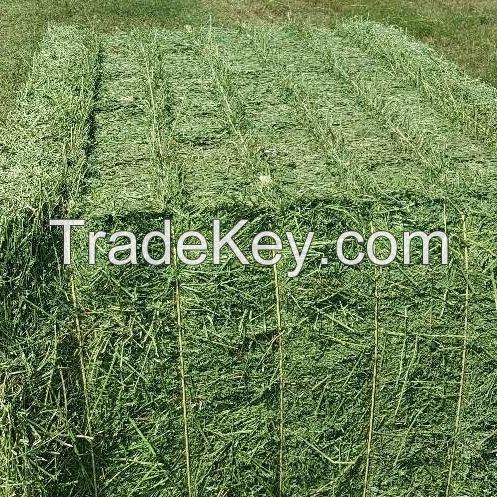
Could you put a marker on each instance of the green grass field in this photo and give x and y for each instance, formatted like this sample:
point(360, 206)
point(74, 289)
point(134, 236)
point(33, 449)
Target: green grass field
point(237, 381)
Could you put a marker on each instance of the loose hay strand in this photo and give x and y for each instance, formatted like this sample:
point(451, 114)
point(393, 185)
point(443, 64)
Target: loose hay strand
point(374, 376)
point(280, 331)
point(460, 396)
point(184, 393)
point(84, 383)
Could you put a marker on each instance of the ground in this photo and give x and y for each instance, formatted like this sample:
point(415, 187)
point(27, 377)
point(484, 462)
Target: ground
point(465, 30)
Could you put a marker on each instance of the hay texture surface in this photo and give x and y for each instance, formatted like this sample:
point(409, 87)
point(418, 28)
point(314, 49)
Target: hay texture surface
point(238, 381)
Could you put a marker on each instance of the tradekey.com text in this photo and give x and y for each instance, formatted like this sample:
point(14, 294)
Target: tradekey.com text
point(266, 248)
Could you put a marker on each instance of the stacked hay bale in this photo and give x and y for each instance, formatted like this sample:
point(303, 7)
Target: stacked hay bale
point(240, 380)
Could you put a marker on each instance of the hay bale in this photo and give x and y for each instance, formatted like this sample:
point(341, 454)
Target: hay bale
point(43, 161)
point(222, 380)
point(464, 100)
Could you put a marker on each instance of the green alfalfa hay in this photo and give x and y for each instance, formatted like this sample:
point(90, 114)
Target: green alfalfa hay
point(45, 139)
point(43, 149)
point(244, 348)
point(469, 102)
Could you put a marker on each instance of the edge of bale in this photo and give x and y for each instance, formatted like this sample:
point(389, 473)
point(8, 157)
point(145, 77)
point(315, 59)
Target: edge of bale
point(44, 142)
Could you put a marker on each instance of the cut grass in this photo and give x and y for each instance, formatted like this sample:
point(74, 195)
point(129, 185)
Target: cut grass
point(24, 22)
point(466, 31)
point(43, 144)
point(444, 84)
point(231, 380)
point(43, 159)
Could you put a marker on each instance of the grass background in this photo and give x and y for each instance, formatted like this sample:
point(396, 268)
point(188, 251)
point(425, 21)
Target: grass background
point(465, 30)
